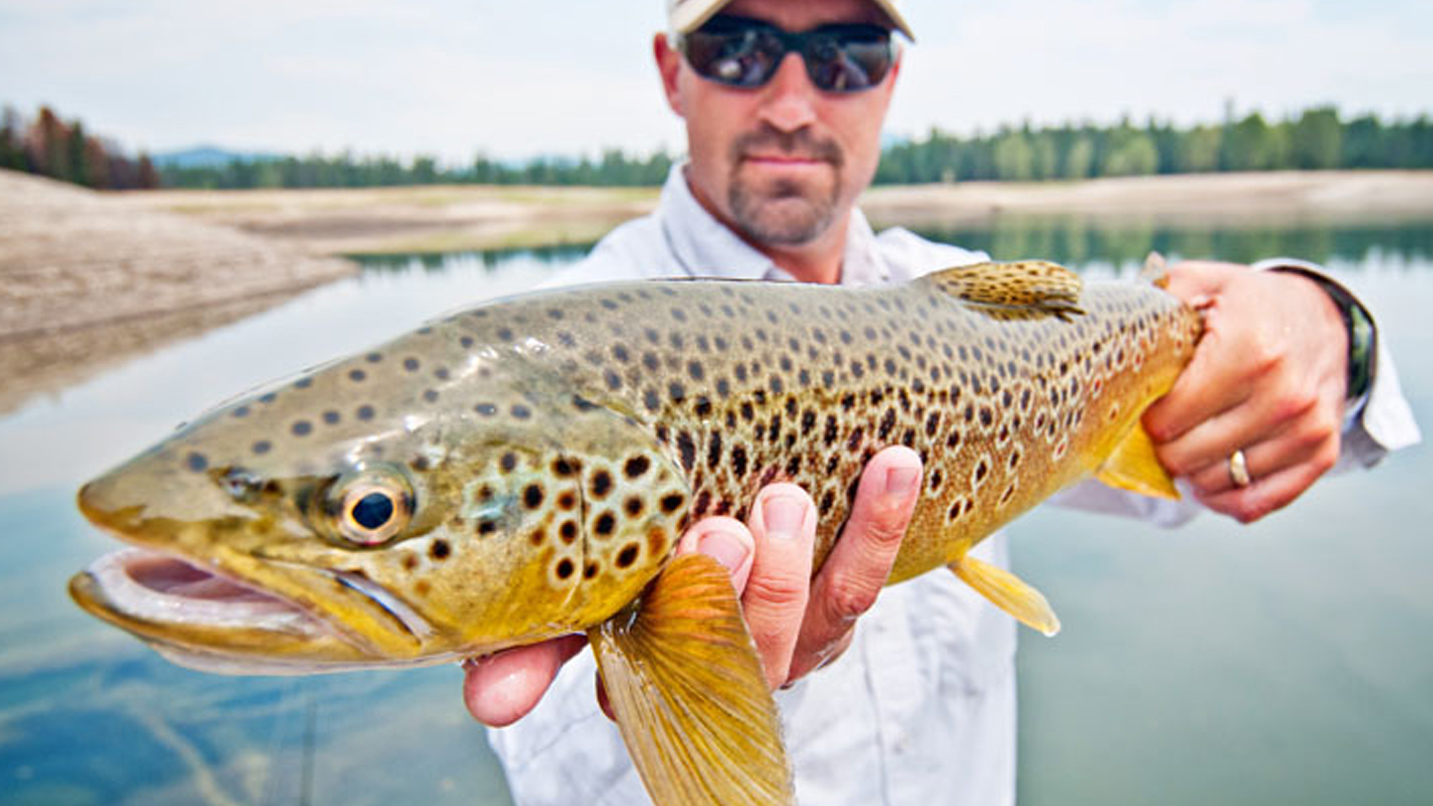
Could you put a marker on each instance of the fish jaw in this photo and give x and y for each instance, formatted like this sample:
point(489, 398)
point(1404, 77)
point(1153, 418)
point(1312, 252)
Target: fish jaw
point(230, 610)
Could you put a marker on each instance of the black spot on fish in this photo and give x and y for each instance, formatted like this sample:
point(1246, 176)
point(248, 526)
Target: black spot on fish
point(301, 428)
point(568, 531)
point(651, 401)
point(240, 412)
point(888, 422)
point(627, 556)
point(374, 358)
point(714, 451)
point(420, 464)
point(508, 462)
point(430, 395)
point(440, 550)
point(564, 568)
point(532, 496)
point(197, 462)
point(486, 409)
point(357, 375)
point(331, 417)
point(365, 412)
point(688, 450)
point(633, 506)
point(605, 524)
point(671, 502)
point(521, 412)
point(738, 460)
point(261, 447)
point(601, 484)
point(411, 364)
point(636, 466)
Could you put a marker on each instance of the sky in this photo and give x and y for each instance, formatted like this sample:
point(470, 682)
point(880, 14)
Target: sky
point(511, 80)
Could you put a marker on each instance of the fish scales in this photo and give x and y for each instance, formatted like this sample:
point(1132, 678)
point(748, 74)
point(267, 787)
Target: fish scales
point(745, 384)
point(523, 470)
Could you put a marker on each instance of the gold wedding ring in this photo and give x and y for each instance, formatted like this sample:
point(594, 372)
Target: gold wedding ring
point(1239, 469)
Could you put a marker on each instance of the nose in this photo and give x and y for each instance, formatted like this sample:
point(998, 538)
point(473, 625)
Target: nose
point(789, 99)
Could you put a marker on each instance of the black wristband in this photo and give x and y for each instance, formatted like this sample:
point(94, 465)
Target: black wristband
point(1358, 325)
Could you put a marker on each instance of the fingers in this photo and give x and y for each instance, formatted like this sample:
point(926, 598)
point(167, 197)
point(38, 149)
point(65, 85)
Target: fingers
point(1306, 443)
point(501, 688)
point(1266, 494)
point(726, 540)
point(783, 524)
point(860, 562)
point(1267, 379)
point(1213, 383)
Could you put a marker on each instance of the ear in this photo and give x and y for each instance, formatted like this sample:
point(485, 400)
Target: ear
point(669, 65)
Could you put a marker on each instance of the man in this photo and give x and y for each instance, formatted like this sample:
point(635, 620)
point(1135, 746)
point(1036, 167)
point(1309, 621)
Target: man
point(917, 706)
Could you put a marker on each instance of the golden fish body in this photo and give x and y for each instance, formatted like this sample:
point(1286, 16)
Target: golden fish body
point(523, 469)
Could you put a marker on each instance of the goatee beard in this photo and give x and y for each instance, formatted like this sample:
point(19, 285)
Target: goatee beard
point(785, 213)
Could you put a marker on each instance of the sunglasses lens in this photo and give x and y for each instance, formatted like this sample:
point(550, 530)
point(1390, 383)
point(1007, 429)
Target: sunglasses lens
point(851, 61)
point(745, 58)
point(747, 53)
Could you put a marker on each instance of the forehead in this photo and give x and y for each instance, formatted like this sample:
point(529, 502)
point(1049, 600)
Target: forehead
point(800, 15)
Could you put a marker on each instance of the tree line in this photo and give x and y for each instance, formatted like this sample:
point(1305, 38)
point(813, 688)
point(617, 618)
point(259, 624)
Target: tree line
point(1315, 139)
point(51, 147)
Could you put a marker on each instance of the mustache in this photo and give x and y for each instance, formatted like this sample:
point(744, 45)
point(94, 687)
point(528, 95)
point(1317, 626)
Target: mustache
point(801, 144)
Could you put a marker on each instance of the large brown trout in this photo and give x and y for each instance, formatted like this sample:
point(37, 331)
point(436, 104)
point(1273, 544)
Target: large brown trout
point(523, 469)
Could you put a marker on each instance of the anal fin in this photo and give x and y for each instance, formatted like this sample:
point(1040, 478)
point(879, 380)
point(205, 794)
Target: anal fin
point(689, 693)
point(1009, 593)
point(1133, 466)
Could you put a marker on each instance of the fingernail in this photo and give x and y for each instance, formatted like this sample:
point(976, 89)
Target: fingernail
point(782, 516)
point(724, 546)
point(900, 480)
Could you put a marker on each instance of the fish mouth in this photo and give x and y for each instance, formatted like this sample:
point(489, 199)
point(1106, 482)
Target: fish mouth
point(202, 618)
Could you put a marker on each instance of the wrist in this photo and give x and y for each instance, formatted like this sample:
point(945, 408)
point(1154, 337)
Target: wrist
point(1361, 336)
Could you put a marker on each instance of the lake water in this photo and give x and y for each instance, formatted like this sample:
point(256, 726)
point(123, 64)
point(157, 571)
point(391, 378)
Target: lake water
point(1287, 662)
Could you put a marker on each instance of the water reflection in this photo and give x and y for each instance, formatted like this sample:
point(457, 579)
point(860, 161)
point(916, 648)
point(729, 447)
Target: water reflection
point(1080, 241)
point(1283, 663)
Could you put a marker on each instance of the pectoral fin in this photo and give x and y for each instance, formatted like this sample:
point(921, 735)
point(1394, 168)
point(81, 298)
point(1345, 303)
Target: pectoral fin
point(1133, 466)
point(689, 693)
point(1009, 593)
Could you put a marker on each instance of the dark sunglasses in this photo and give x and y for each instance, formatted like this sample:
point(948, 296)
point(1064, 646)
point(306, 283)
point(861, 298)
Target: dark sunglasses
point(743, 52)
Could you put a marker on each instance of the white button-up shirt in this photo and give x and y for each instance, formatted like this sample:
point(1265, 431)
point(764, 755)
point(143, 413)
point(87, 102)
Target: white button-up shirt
point(921, 708)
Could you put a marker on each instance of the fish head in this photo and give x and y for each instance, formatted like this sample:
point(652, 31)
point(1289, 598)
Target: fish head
point(306, 529)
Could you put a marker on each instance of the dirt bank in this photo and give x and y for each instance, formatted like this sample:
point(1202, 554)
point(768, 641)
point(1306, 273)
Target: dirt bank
point(449, 218)
point(87, 280)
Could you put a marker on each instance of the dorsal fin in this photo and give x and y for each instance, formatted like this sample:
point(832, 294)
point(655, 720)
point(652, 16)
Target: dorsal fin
point(1031, 285)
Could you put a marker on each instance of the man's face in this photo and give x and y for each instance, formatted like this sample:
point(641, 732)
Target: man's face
point(782, 162)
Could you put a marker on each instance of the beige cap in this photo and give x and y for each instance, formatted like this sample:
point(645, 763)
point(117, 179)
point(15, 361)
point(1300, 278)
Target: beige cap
point(685, 16)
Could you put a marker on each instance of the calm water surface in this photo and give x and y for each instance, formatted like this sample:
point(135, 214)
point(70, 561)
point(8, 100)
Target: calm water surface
point(1288, 662)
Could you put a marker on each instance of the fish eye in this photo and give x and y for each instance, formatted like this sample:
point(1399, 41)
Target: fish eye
point(371, 507)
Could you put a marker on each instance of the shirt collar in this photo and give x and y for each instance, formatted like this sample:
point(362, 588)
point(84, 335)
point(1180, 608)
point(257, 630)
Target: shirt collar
point(705, 247)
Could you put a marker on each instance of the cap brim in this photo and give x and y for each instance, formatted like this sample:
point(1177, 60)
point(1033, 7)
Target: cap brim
point(689, 16)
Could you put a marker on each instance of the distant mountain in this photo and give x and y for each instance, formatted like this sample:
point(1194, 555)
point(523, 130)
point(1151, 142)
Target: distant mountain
point(207, 157)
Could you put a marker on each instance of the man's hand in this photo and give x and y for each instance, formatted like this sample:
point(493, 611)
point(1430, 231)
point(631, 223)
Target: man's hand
point(1267, 378)
point(798, 623)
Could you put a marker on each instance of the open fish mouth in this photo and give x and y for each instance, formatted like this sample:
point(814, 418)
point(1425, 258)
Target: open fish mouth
point(202, 618)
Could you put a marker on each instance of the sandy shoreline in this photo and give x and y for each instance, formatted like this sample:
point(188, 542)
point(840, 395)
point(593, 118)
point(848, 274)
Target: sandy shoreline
point(88, 280)
point(452, 218)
